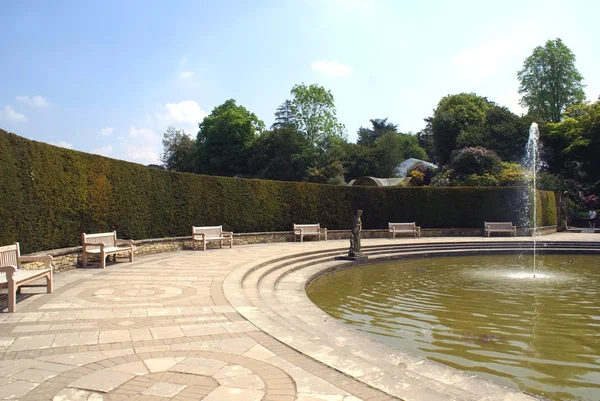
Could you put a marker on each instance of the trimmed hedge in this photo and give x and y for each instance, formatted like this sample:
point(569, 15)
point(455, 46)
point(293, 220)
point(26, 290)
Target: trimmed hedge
point(49, 195)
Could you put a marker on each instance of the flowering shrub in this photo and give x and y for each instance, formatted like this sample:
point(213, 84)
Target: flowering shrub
point(590, 202)
point(475, 160)
point(421, 174)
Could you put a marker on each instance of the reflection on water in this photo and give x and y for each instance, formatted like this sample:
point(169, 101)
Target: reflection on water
point(484, 314)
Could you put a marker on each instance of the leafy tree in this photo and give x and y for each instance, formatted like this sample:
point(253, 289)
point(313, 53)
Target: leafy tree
point(179, 151)
point(359, 161)
point(282, 154)
point(314, 110)
point(284, 116)
point(392, 148)
point(549, 81)
point(505, 132)
point(468, 120)
point(579, 138)
point(457, 119)
point(425, 138)
point(225, 139)
point(368, 136)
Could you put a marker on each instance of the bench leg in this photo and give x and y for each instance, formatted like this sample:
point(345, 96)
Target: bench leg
point(49, 283)
point(230, 243)
point(204, 245)
point(102, 260)
point(12, 297)
point(84, 259)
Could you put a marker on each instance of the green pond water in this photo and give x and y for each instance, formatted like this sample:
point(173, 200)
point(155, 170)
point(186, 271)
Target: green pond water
point(483, 314)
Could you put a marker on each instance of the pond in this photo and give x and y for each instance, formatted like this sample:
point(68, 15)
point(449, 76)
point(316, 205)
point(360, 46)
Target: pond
point(482, 314)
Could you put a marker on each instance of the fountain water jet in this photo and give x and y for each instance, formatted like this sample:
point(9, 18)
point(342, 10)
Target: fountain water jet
point(532, 165)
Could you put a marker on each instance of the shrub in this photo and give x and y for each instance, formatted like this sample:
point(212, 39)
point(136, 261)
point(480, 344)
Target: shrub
point(421, 174)
point(474, 180)
point(512, 175)
point(475, 160)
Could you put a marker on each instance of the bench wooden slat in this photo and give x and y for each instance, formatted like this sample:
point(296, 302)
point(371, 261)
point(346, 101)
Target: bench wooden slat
point(211, 233)
point(304, 230)
point(13, 278)
point(104, 244)
point(394, 228)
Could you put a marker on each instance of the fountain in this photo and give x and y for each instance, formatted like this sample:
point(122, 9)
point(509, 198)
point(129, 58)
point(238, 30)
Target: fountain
point(484, 314)
point(532, 164)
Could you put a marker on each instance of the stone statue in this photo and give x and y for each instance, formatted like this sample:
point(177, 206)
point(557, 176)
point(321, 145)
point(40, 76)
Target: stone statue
point(355, 238)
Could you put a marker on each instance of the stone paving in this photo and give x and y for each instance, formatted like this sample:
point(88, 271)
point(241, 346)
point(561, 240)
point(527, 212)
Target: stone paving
point(162, 328)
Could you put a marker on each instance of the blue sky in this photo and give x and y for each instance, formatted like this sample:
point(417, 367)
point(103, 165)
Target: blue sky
point(108, 77)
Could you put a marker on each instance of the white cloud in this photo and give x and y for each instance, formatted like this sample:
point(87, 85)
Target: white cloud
point(106, 131)
point(37, 100)
point(62, 144)
point(102, 150)
point(186, 74)
point(331, 68)
point(9, 113)
point(143, 145)
point(185, 115)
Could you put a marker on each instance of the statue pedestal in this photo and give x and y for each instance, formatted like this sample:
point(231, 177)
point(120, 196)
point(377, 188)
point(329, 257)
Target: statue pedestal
point(358, 259)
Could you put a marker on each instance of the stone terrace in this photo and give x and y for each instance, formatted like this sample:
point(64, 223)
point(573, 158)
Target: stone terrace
point(162, 328)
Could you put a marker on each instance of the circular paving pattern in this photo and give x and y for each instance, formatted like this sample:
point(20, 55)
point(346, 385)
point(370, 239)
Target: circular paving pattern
point(174, 375)
point(114, 293)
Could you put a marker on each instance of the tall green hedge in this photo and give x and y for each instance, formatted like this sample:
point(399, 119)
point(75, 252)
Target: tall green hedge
point(49, 195)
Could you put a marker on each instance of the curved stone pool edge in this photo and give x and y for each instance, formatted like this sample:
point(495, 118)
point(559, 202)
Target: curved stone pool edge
point(283, 310)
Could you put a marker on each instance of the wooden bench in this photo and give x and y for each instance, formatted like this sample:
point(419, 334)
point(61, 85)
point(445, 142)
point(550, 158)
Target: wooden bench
point(499, 227)
point(211, 233)
point(13, 278)
point(104, 244)
point(412, 228)
point(304, 230)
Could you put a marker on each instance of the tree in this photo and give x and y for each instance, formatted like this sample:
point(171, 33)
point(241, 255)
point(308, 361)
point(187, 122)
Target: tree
point(468, 120)
point(392, 148)
point(179, 151)
point(579, 134)
point(457, 122)
point(284, 117)
point(425, 138)
point(225, 139)
point(281, 154)
point(549, 81)
point(314, 110)
point(368, 136)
